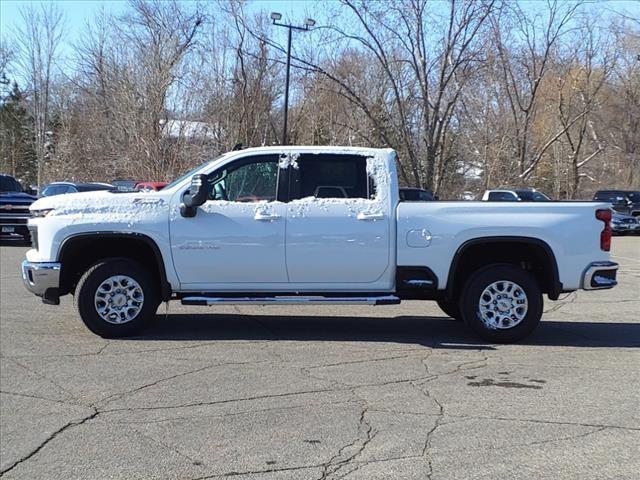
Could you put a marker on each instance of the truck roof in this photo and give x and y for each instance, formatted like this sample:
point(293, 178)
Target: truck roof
point(315, 149)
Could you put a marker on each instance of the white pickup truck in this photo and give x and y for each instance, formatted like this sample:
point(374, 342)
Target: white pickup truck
point(311, 225)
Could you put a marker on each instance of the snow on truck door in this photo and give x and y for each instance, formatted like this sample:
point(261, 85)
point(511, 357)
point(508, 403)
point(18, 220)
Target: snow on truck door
point(237, 236)
point(337, 232)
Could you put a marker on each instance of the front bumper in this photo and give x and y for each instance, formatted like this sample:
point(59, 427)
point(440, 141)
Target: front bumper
point(10, 226)
point(600, 275)
point(42, 279)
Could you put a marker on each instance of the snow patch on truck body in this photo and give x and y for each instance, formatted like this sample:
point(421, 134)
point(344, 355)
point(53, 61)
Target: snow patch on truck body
point(94, 212)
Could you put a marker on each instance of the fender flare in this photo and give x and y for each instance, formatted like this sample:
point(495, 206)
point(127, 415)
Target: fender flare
point(165, 286)
point(555, 288)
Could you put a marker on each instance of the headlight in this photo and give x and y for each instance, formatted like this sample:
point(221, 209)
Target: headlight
point(41, 213)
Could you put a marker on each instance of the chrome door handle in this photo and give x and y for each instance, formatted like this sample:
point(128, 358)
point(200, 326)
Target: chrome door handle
point(266, 217)
point(370, 216)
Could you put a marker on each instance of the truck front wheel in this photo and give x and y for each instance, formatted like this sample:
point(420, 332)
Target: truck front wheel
point(502, 303)
point(450, 308)
point(116, 298)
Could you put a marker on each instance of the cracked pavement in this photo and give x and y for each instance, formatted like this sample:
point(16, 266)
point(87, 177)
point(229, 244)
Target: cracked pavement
point(331, 392)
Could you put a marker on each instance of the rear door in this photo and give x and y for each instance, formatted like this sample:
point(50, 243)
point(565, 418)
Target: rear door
point(336, 232)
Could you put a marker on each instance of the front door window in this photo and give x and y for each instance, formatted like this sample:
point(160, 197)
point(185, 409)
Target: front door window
point(256, 181)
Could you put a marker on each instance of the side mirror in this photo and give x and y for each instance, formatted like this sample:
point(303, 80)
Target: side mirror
point(198, 193)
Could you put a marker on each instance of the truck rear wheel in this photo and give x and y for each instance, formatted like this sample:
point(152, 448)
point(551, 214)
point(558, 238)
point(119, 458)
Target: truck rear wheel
point(116, 297)
point(502, 303)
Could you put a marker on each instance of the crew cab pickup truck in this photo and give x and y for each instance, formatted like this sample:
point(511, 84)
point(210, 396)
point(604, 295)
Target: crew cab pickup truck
point(311, 225)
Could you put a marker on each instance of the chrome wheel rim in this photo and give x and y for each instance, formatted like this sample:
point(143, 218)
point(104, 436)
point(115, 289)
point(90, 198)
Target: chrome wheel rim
point(503, 305)
point(119, 299)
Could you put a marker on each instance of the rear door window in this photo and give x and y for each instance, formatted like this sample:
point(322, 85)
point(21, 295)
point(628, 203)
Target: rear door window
point(331, 176)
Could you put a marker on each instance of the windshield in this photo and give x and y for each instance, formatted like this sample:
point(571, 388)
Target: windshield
point(531, 196)
point(190, 173)
point(9, 184)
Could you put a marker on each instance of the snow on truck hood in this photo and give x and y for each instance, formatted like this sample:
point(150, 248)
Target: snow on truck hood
point(104, 205)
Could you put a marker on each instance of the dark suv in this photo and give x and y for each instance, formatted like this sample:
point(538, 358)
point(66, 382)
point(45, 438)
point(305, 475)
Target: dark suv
point(14, 209)
point(623, 201)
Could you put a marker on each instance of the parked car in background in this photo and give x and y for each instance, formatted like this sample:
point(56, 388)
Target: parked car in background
point(124, 185)
point(14, 209)
point(150, 186)
point(517, 195)
point(622, 224)
point(622, 201)
point(60, 188)
point(467, 196)
point(408, 194)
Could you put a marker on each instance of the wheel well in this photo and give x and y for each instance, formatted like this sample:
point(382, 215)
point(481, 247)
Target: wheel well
point(78, 253)
point(534, 256)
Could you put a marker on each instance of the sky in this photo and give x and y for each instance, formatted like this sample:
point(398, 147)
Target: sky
point(78, 12)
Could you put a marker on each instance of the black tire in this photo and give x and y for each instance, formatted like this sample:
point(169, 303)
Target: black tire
point(93, 278)
point(484, 278)
point(452, 309)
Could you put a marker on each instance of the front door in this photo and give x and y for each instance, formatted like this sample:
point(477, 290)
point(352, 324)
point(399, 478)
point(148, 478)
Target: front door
point(236, 240)
point(338, 234)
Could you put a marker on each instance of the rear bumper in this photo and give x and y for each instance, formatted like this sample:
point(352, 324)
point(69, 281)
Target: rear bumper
point(600, 275)
point(43, 280)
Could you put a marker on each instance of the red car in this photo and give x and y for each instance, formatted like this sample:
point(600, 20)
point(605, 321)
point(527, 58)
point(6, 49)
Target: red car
point(150, 186)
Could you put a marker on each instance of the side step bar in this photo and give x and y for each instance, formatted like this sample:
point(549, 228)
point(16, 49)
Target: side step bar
point(291, 300)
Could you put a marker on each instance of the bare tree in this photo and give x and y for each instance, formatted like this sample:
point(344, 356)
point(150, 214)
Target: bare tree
point(525, 45)
point(472, 94)
point(579, 93)
point(39, 42)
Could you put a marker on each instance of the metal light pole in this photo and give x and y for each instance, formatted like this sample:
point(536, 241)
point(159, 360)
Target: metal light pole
point(308, 23)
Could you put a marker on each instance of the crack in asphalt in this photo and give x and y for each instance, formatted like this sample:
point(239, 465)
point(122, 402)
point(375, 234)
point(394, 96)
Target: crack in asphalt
point(46, 379)
point(220, 402)
point(47, 399)
point(336, 465)
point(355, 362)
point(234, 414)
point(344, 462)
point(118, 396)
point(258, 472)
point(341, 459)
point(67, 426)
point(259, 397)
point(193, 461)
point(545, 422)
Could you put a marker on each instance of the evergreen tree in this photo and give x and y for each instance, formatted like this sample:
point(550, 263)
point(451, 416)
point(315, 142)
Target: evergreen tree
point(17, 155)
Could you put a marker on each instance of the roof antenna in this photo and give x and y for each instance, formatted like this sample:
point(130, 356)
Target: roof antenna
point(237, 146)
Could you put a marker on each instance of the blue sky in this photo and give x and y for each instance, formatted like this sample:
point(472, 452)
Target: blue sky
point(77, 12)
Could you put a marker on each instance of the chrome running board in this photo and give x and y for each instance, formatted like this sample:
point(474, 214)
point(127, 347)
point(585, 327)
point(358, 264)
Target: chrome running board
point(291, 300)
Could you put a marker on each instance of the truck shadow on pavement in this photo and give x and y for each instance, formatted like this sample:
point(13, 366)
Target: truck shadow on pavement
point(434, 332)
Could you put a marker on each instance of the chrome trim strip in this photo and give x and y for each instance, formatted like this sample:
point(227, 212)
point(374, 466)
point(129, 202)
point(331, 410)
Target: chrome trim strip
point(602, 282)
point(292, 300)
point(417, 283)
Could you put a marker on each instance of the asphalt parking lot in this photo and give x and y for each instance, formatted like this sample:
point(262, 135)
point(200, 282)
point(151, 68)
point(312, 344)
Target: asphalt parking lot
point(394, 392)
